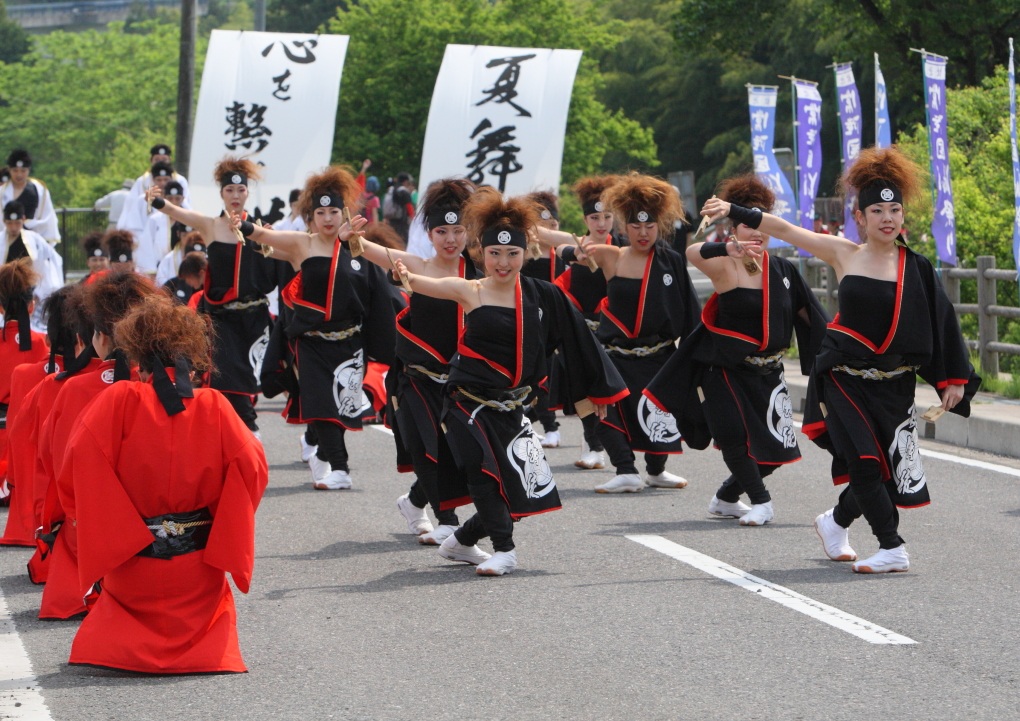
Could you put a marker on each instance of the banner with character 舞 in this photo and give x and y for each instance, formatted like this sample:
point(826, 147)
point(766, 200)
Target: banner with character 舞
point(271, 97)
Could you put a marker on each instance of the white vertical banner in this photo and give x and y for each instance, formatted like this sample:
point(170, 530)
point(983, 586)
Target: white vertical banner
point(270, 97)
point(499, 116)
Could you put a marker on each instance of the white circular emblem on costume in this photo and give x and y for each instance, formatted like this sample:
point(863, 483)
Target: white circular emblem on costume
point(780, 418)
point(667, 279)
point(324, 201)
point(347, 392)
point(355, 264)
point(786, 282)
point(658, 425)
point(451, 218)
point(503, 237)
point(53, 367)
point(180, 293)
point(107, 376)
point(257, 353)
point(235, 179)
point(905, 457)
point(122, 258)
point(642, 216)
point(887, 194)
point(528, 459)
point(599, 206)
point(17, 338)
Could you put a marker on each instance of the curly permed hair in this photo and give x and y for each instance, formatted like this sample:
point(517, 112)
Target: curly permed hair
point(446, 193)
point(76, 314)
point(749, 191)
point(91, 242)
point(634, 192)
point(888, 165)
point(119, 241)
point(487, 209)
point(58, 330)
point(16, 280)
point(590, 189)
point(233, 164)
point(112, 296)
point(334, 180)
point(157, 327)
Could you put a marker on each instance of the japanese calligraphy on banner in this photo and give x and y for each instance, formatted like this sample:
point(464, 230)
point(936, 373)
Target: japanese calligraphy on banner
point(270, 97)
point(883, 129)
point(761, 100)
point(499, 116)
point(809, 148)
point(943, 221)
point(1016, 159)
point(849, 106)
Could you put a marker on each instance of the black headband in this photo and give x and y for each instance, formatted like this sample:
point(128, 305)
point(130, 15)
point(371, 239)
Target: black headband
point(99, 252)
point(122, 257)
point(233, 179)
point(505, 235)
point(594, 205)
point(880, 192)
point(14, 213)
point(641, 216)
point(329, 200)
point(447, 215)
point(548, 214)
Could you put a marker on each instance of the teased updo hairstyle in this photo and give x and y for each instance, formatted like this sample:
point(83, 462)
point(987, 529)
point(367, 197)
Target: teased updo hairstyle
point(119, 242)
point(633, 193)
point(445, 193)
point(884, 165)
point(112, 296)
point(334, 180)
point(547, 201)
point(77, 316)
point(487, 209)
point(382, 234)
point(749, 191)
point(230, 165)
point(17, 280)
point(589, 190)
point(158, 328)
point(60, 329)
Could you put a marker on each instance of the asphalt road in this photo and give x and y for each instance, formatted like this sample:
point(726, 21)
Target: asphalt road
point(349, 618)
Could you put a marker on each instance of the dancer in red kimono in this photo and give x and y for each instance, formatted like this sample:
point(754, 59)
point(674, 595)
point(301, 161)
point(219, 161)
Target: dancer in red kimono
point(161, 528)
point(895, 322)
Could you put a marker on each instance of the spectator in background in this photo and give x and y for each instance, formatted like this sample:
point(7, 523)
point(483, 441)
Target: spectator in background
point(157, 238)
point(16, 242)
point(113, 202)
point(398, 206)
point(136, 208)
point(120, 245)
point(97, 258)
point(40, 216)
point(190, 277)
point(293, 221)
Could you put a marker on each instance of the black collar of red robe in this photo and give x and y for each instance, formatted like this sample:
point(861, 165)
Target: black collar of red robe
point(78, 363)
point(24, 322)
point(170, 390)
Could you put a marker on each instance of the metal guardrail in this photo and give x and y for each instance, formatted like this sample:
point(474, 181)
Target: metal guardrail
point(75, 224)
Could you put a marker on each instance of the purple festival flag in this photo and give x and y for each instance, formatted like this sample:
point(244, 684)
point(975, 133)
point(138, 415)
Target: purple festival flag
point(848, 100)
point(943, 219)
point(762, 102)
point(1016, 159)
point(883, 129)
point(809, 148)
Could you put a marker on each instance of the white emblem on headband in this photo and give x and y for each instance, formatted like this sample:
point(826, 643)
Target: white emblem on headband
point(451, 218)
point(324, 201)
point(20, 164)
point(355, 264)
point(13, 216)
point(163, 151)
point(199, 247)
point(174, 191)
point(122, 258)
point(97, 252)
point(642, 217)
point(887, 194)
point(503, 237)
point(546, 215)
point(235, 179)
point(163, 173)
point(180, 293)
point(599, 206)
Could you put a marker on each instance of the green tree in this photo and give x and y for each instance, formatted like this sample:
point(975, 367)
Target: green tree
point(14, 41)
point(301, 16)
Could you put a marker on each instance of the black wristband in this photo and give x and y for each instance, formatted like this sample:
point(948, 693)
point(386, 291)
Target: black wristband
point(568, 254)
point(158, 203)
point(714, 250)
point(247, 228)
point(751, 217)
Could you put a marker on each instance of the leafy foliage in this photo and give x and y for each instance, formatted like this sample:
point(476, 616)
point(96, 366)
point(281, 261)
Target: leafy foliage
point(14, 41)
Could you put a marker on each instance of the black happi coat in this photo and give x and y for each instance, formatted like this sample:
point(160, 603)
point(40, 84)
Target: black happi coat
point(586, 289)
point(736, 325)
point(329, 295)
point(659, 307)
point(238, 273)
point(504, 350)
point(856, 417)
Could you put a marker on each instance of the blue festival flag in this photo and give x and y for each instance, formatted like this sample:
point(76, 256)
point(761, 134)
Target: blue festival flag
point(943, 219)
point(809, 148)
point(1016, 160)
point(848, 101)
point(762, 102)
point(883, 129)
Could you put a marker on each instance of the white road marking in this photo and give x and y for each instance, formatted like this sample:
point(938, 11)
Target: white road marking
point(836, 618)
point(20, 699)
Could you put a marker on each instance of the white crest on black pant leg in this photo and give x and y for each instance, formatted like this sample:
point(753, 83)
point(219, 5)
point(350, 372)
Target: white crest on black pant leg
point(257, 353)
point(347, 392)
point(528, 460)
point(657, 424)
point(780, 418)
point(905, 457)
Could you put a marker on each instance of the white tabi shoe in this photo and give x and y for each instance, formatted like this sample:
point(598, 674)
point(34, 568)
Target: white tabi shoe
point(318, 468)
point(591, 460)
point(551, 440)
point(759, 515)
point(725, 509)
point(835, 538)
point(437, 536)
point(418, 521)
point(500, 564)
point(307, 451)
point(666, 480)
point(452, 550)
point(626, 483)
point(335, 481)
point(887, 560)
